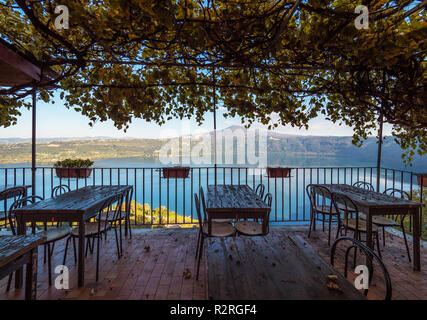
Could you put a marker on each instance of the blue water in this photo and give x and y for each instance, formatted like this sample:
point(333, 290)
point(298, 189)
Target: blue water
point(289, 200)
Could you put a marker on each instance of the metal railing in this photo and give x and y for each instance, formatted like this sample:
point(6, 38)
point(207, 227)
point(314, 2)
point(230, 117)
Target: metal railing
point(159, 201)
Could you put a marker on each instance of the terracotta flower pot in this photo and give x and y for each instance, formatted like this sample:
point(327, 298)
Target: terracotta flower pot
point(278, 172)
point(181, 172)
point(422, 180)
point(73, 172)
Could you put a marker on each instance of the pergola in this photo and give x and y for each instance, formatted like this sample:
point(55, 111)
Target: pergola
point(22, 69)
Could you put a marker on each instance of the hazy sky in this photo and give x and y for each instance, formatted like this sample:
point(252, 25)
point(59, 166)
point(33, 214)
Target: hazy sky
point(54, 120)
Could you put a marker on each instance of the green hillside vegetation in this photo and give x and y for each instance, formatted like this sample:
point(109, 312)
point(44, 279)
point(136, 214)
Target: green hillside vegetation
point(159, 216)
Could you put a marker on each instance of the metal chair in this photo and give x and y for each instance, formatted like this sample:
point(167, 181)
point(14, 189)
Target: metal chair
point(117, 215)
point(58, 190)
point(253, 228)
point(396, 220)
point(351, 220)
point(260, 189)
point(202, 200)
point(53, 234)
point(95, 230)
point(321, 205)
point(371, 255)
point(364, 185)
point(15, 193)
point(206, 230)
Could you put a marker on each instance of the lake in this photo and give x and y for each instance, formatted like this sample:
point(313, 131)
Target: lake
point(290, 203)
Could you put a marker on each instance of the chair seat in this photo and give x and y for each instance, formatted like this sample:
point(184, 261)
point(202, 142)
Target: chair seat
point(91, 229)
point(344, 208)
point(222, 220)
point(325, 210)
point(249, 228)
point(350, 223)
point(380, 220)
point(54, 234)
point(121, 216)
point(219, 229)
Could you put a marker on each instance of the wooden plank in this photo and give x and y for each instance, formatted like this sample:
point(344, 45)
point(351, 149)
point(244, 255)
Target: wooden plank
point(235, 198)
point(270, 267)
point(370, 199)
point(22, 67)
point(12, 247)
point(78, 201)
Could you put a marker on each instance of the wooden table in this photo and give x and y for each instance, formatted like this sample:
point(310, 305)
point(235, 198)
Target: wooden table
point(235, 202)
point(280, 266)
point(15, 251)
point(76, 206)
point(374, 203)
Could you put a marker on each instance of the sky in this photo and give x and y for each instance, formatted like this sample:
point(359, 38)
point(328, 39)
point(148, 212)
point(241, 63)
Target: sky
point(56, 121)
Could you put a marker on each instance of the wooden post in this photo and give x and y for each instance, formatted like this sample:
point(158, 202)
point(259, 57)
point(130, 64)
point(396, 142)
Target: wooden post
point(214, 114)
point(33, 145)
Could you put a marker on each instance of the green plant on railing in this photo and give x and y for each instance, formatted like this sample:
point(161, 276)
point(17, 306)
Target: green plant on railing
point(73, 163)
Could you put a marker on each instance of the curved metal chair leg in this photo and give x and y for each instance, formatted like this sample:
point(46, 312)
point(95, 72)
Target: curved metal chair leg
point(383, 236)
point(49, 264)
point(406, 241)
point(9, 282)
point(378, 244)
point(200, 256)
point(97, 258)
point(75, 250)
point(65, 251)
point(198, 243)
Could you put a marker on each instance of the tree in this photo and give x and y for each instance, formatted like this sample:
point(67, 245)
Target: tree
point(161, 59)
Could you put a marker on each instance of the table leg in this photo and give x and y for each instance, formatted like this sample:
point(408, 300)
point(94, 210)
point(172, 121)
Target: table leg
point(369, 230)
point(416, 238)
point(127, 212)
point(19, 274)
point(31, 276)
point(81, 262)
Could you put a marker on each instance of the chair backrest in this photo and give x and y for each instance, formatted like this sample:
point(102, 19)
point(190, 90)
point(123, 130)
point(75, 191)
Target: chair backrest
point(319, 196)
point(397, 193)
point(115, 206)
point(371, 255)
point(15, 193)
point(345, 205)
point(58, 190)
point(260, 189)
point(199, 214)
point(268, 199)
point(19, 204)
point(364, 185)
point(203, 202)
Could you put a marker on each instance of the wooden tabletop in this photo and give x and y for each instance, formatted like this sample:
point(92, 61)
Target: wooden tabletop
point(234, 198)
point(370, 199)
point(278, 266)
point(78, 201)
point(12, 247)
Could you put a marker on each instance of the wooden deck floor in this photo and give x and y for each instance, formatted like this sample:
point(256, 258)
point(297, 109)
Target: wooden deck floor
point(159, 273)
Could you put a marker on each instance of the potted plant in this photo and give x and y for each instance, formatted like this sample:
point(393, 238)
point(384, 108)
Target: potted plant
point(422, 179)
point(176, 172)
point(278, 172)
point(73, 168)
